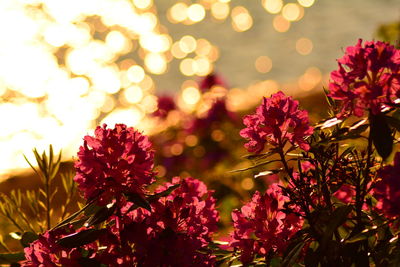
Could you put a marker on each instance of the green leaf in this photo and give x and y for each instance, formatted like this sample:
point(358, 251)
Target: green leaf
point(80, 238)
point(74, 215)
point(363, 235)
point(101, 215)
point(163, 193)
point(11, 257)
point(381, 135)
point(394, 122)
point(337, 218)
point(255, 166)
point(27, 238)
point(139, 200)
point(290, 258)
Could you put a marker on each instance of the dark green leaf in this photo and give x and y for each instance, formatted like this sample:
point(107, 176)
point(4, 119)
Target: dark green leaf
point(11, 257)
point(381, 135)
point(255, 166)
point(73, 216)
point(101, 215)
point(394, 122)
point(290, 258)
point(139, 200)
point(80, 238)
point(163, 193)
point(337, 218)
point(27, 238)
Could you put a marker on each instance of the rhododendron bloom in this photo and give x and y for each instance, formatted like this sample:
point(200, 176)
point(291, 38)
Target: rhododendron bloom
point(164, 106)
point(262, 227)
point(211, 80)
point(387, 190)
point(46, 252)
point(113, 162)
point(368, 76)
point(179, 225)
point(277, 120)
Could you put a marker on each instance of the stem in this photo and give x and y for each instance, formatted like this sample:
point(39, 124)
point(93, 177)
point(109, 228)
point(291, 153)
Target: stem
point(282, 155)
point(14, 222)
point(361, 186)
point(47, 189)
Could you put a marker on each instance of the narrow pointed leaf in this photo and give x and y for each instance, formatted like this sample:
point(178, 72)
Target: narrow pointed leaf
point(101, 215)
point(381, 135)
point(80, 238)
point(27, 238)
point(163, 193)
point(139, 200)
point(11, 257)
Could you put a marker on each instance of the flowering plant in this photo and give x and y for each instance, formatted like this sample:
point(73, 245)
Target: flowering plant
point(330, 198)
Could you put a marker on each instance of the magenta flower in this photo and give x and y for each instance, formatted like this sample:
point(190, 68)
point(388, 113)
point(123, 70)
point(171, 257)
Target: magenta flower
point(387, 190)
point(261, 226)
point(178, 227)
point(368, 76)
point(211, 80)
point(164, 106)
point(46, 252)
point(113, 162)
point(277, 120)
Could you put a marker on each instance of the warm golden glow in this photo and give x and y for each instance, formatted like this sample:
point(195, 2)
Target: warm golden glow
point(311, 78)
point(247, 183)
point(177, 51)
point(241, 19)
point(155, 43)
point(191, 95)
point(117, 42)
point(263, 64)
point(188, 67)
point(135, 74)
point(272, 6)
point(220, 10)
point(131, 117)
point(177, 13)
point(64, 65)
point(143, 4)
point(133, 94)
point(203, 66)
point(176, 149)
point(196, 12)
point(191, 140)
point(292, 12)
point(203, 47)
point(281, 24)
point(304, 46)
point(155, 63)
point(306, 3)
point(187, 44)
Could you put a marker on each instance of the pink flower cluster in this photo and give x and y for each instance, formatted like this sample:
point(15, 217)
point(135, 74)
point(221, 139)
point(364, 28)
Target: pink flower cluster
point(277, 120)
point(387, 190)
point(368, 76)
point(179, 225)
point(113, 162)
point(211, 80)
point(164, 106)
point(46, 252)
point(261, 225)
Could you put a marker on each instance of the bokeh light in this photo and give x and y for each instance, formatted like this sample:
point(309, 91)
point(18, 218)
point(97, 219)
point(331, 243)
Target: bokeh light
point(272, 6)
point(263, 64)
point(304, 46)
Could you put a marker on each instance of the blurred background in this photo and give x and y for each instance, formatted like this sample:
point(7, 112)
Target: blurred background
point(67, 66)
